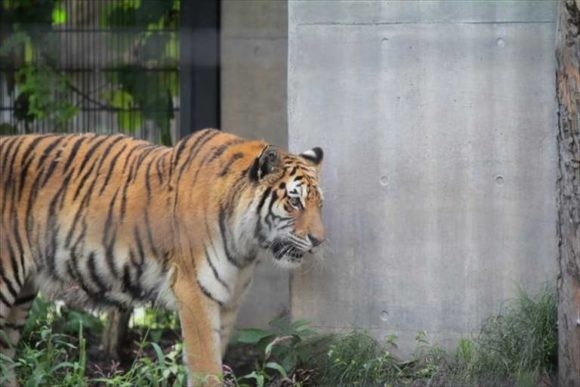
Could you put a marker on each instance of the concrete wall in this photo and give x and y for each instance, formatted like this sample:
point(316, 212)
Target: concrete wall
point(253, 88)
point(439, 129)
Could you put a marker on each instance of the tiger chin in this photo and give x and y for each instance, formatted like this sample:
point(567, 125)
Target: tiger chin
point(113, 221)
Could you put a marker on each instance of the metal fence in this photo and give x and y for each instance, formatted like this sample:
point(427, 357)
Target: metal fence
point(90, 65)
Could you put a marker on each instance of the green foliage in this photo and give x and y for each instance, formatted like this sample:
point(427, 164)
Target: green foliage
point(163, 371)
point(142, 95)
point(519, 344)
point(141, 13)
point(356, 359)
point(42, 96)
point(47, 357)
point(53, 351)
point(144, 82)
point(283, 348)
point(514, 348)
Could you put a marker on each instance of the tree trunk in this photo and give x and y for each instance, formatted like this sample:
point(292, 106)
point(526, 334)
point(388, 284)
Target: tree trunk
point(568, 86)
point(115, 332)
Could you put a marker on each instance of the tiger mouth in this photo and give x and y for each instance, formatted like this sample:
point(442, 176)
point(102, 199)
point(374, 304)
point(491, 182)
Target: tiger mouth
point(287, 250)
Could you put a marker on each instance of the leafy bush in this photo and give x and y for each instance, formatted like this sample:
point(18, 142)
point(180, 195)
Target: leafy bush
point(54, 352)
point(283, 350)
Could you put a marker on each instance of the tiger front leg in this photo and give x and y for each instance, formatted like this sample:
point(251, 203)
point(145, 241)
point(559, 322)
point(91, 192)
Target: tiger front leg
point(200, 326)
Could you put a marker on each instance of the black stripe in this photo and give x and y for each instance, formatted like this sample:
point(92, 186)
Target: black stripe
point(15, 269)
point(29, 158)
point(159, 167)
point(270, 213)
point(103, 157)
point(81, 185)
point(109, 220)
point(73, 266)
point(222, 225)
point(128, 286)
point(229, 163)
point(111, 166)
point(128, 157)
point(81, 208)
point(9, 143)
point(196, 147)
point(90, 153)
point(208, 294)
point(49, 148)
point(51, 251)
point(22, 264)
point(107, 240)
point(236, 190)
point(95, 277)
point(135, 264)
point(17, 239)
point(10, 169)
point(263, 199)
point(150, 234)
point(222, 148)
point(66, 183)
point(139, 160)
point(53, 164)
point(4, 300)
point(140, 249)
point(9, 285)
point(25, 299)
point(181, 146)
point(215, 273)
point(124, 200)
point(73, 152)
point(148, 180)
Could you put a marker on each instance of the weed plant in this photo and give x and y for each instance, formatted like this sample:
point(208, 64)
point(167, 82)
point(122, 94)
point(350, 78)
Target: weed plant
point(516, 347)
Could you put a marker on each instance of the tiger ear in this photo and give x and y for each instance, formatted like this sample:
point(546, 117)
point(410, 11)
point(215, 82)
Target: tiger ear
point(314, 155)
point(266, 163)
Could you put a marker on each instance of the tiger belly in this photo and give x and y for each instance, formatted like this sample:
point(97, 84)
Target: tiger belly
point(88, 279)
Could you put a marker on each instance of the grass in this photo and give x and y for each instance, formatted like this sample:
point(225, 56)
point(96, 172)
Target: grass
point(516, 347)
point(59, 347)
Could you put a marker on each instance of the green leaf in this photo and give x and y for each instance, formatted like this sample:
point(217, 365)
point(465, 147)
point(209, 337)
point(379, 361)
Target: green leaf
point(277, 367)
point(258, 377)
point(129, 120)
point(59, 15)
point(251, 336)
point(159, 353)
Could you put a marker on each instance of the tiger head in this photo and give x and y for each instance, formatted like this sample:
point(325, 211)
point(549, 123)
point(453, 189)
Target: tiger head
point(290, 204)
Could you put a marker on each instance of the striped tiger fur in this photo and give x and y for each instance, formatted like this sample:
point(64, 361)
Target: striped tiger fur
point(111, 221)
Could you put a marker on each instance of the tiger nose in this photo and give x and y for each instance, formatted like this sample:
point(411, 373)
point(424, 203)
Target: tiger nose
point(315, 241)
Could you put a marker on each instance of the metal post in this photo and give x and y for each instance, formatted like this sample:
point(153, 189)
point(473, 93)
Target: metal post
point(199, 65)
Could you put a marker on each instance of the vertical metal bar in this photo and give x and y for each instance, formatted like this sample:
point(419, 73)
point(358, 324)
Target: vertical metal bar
point(199, 65)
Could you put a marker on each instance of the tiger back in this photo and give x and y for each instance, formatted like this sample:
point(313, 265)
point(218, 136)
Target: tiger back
point(113, 221)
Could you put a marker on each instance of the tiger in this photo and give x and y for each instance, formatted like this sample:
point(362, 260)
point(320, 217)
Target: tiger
point(113, 221)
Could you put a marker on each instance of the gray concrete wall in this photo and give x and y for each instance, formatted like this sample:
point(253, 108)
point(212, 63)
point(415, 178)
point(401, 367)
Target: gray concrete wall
point(253, 88)
point(439, 129)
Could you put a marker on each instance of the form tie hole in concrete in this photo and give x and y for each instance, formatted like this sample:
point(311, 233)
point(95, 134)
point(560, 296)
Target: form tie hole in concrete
point(384, 315)
point(384, 180)
point(499, 180)
point(500, 42)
